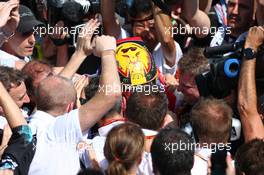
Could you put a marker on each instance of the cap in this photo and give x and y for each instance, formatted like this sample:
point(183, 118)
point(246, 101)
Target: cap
point(27, 20)
point(72, 12)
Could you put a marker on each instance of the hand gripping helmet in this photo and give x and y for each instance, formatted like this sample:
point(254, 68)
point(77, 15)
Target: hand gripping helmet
point(135, 63)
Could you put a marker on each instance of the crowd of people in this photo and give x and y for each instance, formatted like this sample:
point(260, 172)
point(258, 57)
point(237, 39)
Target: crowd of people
point(131, 87)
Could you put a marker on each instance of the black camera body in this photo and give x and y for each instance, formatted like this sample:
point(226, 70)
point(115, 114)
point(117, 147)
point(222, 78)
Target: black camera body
point(73, 12)
point(218, 160)
point(95, 6)
point(124, 5)
point(224, 71)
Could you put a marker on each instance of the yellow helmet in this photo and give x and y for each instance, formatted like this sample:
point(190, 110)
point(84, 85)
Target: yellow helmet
point(135, 63)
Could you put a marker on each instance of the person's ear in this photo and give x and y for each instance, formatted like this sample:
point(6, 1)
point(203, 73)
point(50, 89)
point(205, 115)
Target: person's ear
point(70, 107)
point(262, 117)
point(140, 158)
point(1, 111)
point(167, 120)
point(123, 106)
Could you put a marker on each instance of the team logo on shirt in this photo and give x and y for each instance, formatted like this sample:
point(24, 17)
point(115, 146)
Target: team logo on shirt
point(135, 64)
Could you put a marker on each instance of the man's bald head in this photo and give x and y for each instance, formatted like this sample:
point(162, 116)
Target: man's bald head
point(54, 94)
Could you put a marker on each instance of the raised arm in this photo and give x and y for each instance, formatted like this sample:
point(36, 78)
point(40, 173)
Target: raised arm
point(109, 87)
point(83, 50)
point(196, 18)
point(110, 24)
point(21, 146)
point(205, 5)
point(260, 12)
point(247, 98)
point(13, 115)
point(9, 19)
point(163, 26)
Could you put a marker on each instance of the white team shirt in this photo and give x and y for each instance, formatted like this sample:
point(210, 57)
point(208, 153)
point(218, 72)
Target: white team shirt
point(57, 139)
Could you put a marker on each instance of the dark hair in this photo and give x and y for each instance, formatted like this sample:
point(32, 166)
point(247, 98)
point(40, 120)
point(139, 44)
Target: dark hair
point(212, 120)
point(260, 104)
point(250, 158)
point(11, 77)
point(193, 62)
point(90, 172)
point(147, 110)
point(139, 8)
point(72, 13)
point(124, 146)
point(168, 155)
point(92, 88)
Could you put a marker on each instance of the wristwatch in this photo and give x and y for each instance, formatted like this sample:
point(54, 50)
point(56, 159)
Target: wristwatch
point(249, 53)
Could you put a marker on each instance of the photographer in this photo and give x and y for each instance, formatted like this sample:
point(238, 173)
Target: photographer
point(192, 65)
point(240, 17)
point(247, 94)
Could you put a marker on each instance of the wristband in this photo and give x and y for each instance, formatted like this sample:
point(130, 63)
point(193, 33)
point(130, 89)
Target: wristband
point(108, 52)
point(8, 163)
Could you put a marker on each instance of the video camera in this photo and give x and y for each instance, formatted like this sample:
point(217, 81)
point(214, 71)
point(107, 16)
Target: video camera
point(72, 13)
point(225, 64)
point(124, 5)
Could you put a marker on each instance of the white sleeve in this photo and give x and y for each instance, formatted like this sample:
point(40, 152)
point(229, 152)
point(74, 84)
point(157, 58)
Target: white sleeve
point(161, 63)
point(145, 167)
point(7, 62)
point(124, 34)
point(3, 122)
point(66, 128)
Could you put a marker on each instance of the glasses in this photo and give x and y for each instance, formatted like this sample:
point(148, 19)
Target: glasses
point(130, 48)
point(150, 24)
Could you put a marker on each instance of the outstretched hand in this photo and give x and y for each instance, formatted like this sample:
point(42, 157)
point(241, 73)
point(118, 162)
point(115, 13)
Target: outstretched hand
point(255, 37)
point(84, 43)
point(103, 44)
point(9, 16)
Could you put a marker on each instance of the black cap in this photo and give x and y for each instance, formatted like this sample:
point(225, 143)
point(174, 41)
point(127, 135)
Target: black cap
point(27, 20)
point(72, 12)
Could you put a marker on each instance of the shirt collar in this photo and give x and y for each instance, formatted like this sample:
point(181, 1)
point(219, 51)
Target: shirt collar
point(148, 132)
point(103, 131)
point(204, 152)
point(43, 116)
point(7, 55)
